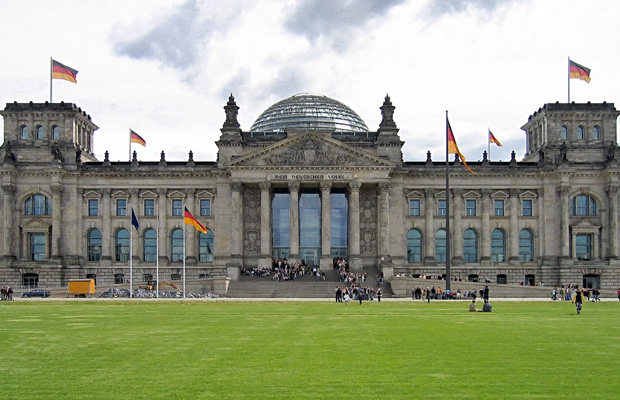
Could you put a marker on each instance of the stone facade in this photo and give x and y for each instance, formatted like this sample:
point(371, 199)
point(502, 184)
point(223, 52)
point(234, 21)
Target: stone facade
point(551, 217)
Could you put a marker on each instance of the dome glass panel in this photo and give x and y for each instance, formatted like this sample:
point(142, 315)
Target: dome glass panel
point(311, 112)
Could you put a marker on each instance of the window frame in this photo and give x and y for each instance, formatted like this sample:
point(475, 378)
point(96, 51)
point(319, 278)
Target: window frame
point(176, 245)
point(94, 245)
point(121, 246)
point(499, 211)
point(205, 246)
point(524, 202)
point(471, 211)
point(121, 207)
point(176, 207)
point(442, 211)
point(415, 207)
point(205, 207)
point(526, 249)
point(148, 210)
point(414, 246)
point(498, 249)
point(470, 245)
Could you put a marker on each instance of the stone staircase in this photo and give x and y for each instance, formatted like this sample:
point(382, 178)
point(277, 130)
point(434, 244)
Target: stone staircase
point(306, 286)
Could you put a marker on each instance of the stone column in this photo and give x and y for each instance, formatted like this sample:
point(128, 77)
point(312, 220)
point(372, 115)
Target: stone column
point(564, 221)
point(57, 220)
point(354, 223)
point(135, 235)
point(190, 244)
point(326, 225)
point(485, 233)
point(265, 224)
point(293, 188)
point(457, 212)
point(8, 206)
point(384, 218)
point(429, 236)
point(237, 219)
point(513, 234)
point(162, 226)
point(106, 236)
point(612, 198)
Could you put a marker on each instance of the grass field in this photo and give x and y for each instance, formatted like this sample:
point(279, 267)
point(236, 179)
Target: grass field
point(313, 350)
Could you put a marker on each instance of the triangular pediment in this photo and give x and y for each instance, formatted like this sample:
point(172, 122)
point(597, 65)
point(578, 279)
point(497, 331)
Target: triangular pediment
point(36, 224)
point(310, 149)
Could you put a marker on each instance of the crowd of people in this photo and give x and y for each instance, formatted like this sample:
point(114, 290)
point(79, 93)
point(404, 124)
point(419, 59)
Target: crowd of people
point(360, 294)
point(7, 293)
point(570, 293)
point(427, 294)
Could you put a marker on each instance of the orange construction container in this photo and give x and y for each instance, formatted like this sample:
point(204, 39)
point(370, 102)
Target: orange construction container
point(81, 287)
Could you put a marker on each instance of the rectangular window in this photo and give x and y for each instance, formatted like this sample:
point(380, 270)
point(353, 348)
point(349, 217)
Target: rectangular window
point(149, 207)
point(583, 250)
point(527, 208)
point(177, 206)
point(37, 247)
point(441, 207)
point(93, 207)
point(499, 208)
point(205, 208)
point(470, 208)
point(414, 208)
point(121, 207)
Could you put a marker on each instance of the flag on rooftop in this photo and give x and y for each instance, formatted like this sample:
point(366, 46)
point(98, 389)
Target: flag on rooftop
point(190, 220)
point(453, 148)
point(135, 138)
point(493, 139)
point(579, 71)
point(61, 71)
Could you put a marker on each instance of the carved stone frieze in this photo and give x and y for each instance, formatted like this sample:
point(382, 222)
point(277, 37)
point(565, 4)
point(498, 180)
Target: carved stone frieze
point(368, 221)
point(251, 221)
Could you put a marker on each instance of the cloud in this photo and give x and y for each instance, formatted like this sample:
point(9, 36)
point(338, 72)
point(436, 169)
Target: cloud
point(333, 20)
point(438, 8)
point(175, 41)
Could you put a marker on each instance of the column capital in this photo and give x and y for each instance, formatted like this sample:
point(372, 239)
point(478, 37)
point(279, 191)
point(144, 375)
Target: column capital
point(457, 192)
point(162, 192)
point(190, 191)
point(384, 186)
point(430, 192)
point(235, 186)
point(264, 186)
point(57, 189)
point(134, 192)
point(611, 190)
point(514, 192)
point(486, 192)
point(9, 189)
point(354, 186)
point(563, 190)
point(326, 186)
point(293, 185)
point(106, 192)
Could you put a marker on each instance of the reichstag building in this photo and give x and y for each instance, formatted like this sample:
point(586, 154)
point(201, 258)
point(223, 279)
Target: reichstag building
point(310, 181)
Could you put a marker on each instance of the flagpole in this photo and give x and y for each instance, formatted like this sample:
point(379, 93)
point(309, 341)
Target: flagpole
point(131, 259)
point(447, 208)
point(129, 144)
point(157, 253)
point(51, 76)
point(569, 80)
point(183, 250)
point(489, 143)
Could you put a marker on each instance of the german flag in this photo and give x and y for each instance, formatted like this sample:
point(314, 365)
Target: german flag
point(453, 148)
point(135, 138)
point(579, 72)
point(190, 220)
point(493, 139)
point(61, 71)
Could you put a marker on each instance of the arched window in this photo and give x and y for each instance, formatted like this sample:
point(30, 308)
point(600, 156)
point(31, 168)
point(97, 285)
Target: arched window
point(24, 132)
point(470, 246)
point(440, 245)
point(582, 205)
point(564, 133)
point(37, 204)
point(498, 245)
point(93, 244)
point(121, 244)
point(176, 245)
point(39, 133)
point(526, 245)
point(596, 133)
point(150, 245)
point(205, 246)
point(414, 245)
point(580, 133)
point(55, 132)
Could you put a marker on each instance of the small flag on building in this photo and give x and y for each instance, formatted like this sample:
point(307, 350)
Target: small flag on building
point(61, 71)
point(135, 138)
point(493, 139)
point(190, 220)
point(579, 71)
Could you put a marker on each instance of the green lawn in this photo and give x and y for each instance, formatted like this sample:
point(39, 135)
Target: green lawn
point(291, 350)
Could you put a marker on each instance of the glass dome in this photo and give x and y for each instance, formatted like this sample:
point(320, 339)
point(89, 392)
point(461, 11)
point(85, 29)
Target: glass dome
point(308, 111)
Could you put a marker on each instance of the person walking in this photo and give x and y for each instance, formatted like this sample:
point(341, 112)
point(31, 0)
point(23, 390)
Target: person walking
point(578, 301)
point(485, 293)
point(379, 295)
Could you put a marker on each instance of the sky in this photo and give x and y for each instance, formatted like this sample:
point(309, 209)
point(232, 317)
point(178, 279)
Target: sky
point(166, 68)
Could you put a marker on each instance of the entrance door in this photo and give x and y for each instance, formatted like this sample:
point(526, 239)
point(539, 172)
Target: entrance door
point(591, 281)
point(312, 255)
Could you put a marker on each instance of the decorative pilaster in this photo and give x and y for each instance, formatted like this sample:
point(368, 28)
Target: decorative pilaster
point(354, 219)
point(485, 234)
point(237, 218)
point(106, 246)
point(457, 214)
point(293, 188)
point(56, 219)
point(8, 206)
point(326, 225)
point(162, 226)
point(265, 224)
point(563, 191)
point(513, 233)
point(429, 206)
point(384, 218)
point(612, 198)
